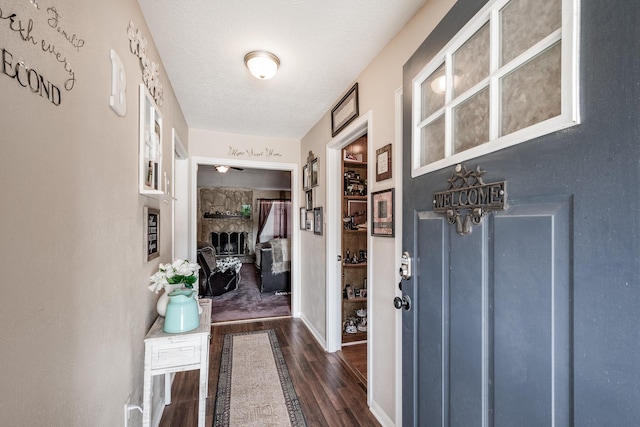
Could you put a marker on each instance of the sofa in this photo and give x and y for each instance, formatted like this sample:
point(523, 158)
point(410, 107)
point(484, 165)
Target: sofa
point(273, 265)
point(217, 276)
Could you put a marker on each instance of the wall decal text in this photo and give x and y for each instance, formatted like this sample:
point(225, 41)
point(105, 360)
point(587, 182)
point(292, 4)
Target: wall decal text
point(27, 30)
point(29, 78)
point(250, 152)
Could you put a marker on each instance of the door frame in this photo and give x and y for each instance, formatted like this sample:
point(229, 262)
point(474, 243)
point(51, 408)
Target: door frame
point(179, 179)
point(362, 125)
point(293, 168)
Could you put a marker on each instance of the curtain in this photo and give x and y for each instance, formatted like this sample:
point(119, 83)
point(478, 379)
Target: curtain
point(274, 219)
point(281, 219)
point(265, 210)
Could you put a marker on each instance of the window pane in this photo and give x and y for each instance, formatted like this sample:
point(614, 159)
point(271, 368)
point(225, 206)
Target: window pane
point(471, 122)
point(531, 93)
point(526, 22)
point(471, 61)
point(432, 142)
point(433, 93)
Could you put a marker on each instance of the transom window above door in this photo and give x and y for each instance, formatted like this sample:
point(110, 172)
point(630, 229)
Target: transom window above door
point(508, 76)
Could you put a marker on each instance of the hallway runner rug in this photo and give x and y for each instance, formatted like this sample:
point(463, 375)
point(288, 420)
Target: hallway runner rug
point(254, 386)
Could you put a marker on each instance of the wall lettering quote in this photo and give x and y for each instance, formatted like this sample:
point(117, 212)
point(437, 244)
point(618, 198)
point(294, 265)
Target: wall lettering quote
point(250, 152)
point(30, 31)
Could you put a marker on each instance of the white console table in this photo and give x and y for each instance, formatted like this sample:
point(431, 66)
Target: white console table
point(169, 353)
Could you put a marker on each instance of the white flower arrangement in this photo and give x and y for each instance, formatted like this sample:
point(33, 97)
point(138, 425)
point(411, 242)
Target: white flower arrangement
point(180, 271)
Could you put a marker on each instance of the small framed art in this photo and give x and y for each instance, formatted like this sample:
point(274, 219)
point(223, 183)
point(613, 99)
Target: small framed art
point(303, 218)
point(383, 163)
point(382, 213)
point(151, 233)
point(317, 221)
point(309, 200)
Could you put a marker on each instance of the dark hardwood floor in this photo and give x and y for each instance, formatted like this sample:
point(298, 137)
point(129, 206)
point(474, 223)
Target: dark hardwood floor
point(356, 357)
point(330, 393)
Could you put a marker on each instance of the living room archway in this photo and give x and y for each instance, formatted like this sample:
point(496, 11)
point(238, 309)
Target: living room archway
point(292, 169)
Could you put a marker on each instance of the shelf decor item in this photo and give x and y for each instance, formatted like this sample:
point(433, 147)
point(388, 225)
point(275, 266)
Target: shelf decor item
point(382, 213)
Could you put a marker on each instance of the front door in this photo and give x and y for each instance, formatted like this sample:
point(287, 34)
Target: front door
point(532, 318)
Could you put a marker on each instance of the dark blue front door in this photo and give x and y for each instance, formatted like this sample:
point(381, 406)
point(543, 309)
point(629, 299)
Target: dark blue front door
point(533, 319)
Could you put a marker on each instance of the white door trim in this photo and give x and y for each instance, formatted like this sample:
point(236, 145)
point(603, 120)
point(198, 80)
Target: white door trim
point(361, 126)
point(397, 166)
point(295, 237)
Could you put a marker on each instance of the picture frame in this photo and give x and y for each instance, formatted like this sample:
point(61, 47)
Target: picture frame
point(303, 218)
point(309, 221)
point(317, 221)
point(383, 163)
point(309, 200)
point(358, 210)
point(151, 233)
point(150, 178)
point(382, 213)
point(306, 177)
point(314, 172)
point(345, 111)
point(350, 293)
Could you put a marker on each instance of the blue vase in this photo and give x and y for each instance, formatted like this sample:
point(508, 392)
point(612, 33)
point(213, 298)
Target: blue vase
point(182, 312)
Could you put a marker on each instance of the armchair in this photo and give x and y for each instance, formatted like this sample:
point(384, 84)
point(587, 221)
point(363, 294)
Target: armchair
point(274, 265)
point(212, 280)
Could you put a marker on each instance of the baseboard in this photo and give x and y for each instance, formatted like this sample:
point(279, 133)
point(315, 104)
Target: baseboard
point(381, 416)
point(314, 331)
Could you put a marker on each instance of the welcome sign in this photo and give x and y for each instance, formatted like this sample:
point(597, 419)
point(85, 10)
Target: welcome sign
point(467, 191)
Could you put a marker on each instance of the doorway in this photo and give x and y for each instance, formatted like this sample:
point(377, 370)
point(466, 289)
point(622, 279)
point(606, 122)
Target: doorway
point(334, 216)
point(270, 303)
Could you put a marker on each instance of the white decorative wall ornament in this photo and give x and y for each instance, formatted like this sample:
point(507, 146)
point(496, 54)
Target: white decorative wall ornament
point(118, 98)
point(150, 69)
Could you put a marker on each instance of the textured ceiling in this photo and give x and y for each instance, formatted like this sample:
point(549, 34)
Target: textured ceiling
point(322, 46)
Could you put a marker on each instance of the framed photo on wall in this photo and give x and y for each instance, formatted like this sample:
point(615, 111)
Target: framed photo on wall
point(151, 233)
point(306, 177)
point(382, 213)
point(383, 163)
point(314, 172)
point(317, 221)
point(345, 111)
point(309, 200)
point(303, 218)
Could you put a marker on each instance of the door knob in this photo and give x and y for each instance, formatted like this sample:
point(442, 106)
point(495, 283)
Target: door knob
point(405, 302)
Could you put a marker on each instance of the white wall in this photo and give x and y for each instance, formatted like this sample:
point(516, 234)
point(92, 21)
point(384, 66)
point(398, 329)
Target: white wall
point(75, 305)
point(376, 85)
point(242, 148)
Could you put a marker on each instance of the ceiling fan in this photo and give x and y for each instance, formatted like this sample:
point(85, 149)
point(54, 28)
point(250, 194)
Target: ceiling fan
point(225, 168)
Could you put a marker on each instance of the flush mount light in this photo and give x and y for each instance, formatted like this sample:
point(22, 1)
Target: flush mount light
point(262, 65)
point(222, 168)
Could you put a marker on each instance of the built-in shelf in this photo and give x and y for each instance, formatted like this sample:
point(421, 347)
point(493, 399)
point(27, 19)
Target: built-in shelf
point(349, 265)
point(355, 299)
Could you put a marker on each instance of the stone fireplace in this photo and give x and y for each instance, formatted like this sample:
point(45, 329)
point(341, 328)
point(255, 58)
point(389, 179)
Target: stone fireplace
point(223, 223)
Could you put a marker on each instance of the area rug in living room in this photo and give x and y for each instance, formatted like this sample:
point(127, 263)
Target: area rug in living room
point(254, 386)
point(247, 302)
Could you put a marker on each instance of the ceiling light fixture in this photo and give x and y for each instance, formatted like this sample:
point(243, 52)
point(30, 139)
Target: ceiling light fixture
point(262, 65)
point(222, 168)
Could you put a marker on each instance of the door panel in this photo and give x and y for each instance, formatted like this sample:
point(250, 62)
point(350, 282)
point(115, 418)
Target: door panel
point(531, 315)
point(492, 313)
